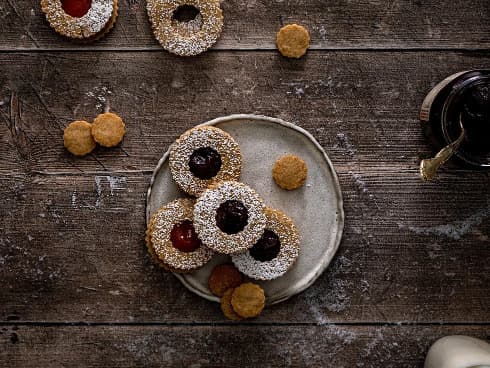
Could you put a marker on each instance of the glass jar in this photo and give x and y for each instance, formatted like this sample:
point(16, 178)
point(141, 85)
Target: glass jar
point(464, 95)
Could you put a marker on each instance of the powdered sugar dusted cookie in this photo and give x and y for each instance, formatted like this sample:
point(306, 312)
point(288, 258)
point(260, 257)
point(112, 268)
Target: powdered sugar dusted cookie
point(275, 252)
point(203, 156)
point(81, 19)
point(229, 217)
point(172, 239)
point(189, 36)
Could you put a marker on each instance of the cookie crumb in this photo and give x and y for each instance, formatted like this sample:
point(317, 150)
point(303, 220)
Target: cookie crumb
point(290, 172)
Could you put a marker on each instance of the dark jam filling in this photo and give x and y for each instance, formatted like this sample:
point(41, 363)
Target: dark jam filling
point(76, 8)
point(205, 163)
point(267, 248)
point(184, 237)
point(232, 217)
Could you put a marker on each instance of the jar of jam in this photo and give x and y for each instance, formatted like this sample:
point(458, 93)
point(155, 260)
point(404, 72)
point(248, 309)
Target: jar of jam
point(465, 96)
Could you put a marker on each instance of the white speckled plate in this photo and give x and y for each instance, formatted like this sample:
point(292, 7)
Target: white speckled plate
point(316, 208)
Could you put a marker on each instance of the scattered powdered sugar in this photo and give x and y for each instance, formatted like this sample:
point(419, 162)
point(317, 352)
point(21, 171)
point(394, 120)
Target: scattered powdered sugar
point(200, 137)
point(288, 235)
point(100, 95)
point(334, 297)
point(74, 199)
point(90, 24)
point(205, 217)
point(185, 39)
point(454, 230)
point(115, 183)
point(346, 144)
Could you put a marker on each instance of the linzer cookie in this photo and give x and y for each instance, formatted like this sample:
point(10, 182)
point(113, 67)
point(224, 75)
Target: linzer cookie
point(229, 217)
point(172, 239)
point(185, 27)
point(203, 156)
point(275, 252)
point(86, 20)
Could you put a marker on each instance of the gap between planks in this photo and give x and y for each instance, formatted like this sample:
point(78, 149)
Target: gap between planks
point(482, 50)
point(221, 324)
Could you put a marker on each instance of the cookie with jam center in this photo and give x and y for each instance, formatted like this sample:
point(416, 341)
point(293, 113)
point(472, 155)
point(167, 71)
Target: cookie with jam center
point(275, 252)
point(202, 156)
point(229, 217)
point(172, 240)
point(82, 20)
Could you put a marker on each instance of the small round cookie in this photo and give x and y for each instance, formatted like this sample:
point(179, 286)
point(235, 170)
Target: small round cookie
point(202, 156)
point(108, 129)
point(275, 252)
point(173, 240)
point(224, 277)
point(292, 40)
point(229, 217)
point(185, 37)
point(86, 20)
point(78, 139)
point(289, 172)
point(227, 308)
point(248, 300)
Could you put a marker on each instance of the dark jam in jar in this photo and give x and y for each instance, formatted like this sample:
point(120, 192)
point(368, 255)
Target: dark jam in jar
point(465, 95)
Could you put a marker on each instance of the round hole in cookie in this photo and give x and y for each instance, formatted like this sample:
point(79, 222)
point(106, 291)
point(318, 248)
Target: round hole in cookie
point(184, 237)
point(76, 8)
point(231, 217)
point(267, 247)
point(185, 13)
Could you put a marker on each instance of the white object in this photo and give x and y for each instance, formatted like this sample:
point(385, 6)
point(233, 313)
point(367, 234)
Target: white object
point(315, 208)
point(458, 352)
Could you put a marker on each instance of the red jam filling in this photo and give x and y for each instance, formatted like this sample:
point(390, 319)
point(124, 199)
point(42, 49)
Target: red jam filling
point(184, 237)
point(76, 8)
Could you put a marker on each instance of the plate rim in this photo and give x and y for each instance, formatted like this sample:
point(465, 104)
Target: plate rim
point(340, 215)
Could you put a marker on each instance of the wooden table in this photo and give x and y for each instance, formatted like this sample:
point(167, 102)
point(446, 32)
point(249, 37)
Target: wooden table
point(77, 285)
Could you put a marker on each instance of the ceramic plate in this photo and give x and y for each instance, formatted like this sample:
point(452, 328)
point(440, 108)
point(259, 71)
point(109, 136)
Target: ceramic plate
point(316, 208)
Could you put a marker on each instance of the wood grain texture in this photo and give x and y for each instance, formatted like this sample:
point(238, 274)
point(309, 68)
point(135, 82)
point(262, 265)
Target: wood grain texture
point(77, 285)
point(222, 346)
point(72, 250)
point(361, 106)
point(252, 24)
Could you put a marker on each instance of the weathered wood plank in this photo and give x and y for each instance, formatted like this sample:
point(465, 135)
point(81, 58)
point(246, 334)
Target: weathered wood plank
point(72, 250)
point(222, 346)
point(367, 24)
point(361, 106)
